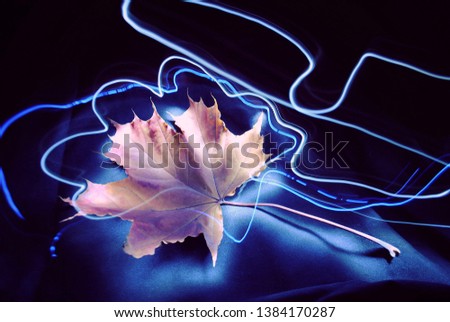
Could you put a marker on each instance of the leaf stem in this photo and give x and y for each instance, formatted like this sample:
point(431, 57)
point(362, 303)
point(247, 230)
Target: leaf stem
point(393, 251)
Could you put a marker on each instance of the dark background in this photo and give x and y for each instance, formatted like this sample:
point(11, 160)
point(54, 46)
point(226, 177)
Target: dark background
point(59, 51)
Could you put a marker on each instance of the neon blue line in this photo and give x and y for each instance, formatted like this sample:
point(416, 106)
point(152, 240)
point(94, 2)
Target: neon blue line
point(230, 91)
point(356, 201)
point(342, 209)
point(312, 63)
point(304, 138)
point(99, 93)
point(326, 194)
point(129, 19)
point(159, 91)
point(399, 174)
point(403, 186)
point(407, 181)
point(252, 218)
point(8, 196)
point(104, 129)
point(226, 86)
point(39, 107)
point(21, 114)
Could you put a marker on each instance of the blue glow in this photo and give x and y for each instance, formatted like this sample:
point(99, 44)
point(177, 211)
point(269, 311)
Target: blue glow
point(293, 103)
point(8, 196)
point(326, 194)
point(132, 21)
point(339, 208)
point(356, 201)
point(158, 90)
point(204, 68)
point(324, 205)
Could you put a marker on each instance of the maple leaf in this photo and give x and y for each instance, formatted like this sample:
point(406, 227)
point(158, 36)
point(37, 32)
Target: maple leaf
point(176, 180)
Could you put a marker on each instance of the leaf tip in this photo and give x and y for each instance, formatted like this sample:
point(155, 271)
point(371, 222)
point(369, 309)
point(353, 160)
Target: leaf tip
point(191, 101)
point(114, 123)
point(258, 124)
point(78, 214)
point(153, 106)
point(66, 200)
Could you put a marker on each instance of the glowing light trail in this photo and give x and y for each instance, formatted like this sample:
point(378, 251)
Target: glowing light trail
point(201, 67)
point(133, 22)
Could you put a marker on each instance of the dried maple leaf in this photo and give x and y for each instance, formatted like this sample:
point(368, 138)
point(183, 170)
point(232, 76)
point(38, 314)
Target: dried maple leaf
point(176, 180)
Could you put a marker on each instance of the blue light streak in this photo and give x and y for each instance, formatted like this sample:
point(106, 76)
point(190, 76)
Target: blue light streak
point(201, 67)
point(293, 102)
point(326, 194)
point(207, 65)
point(338, 208)
point(8, 196)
